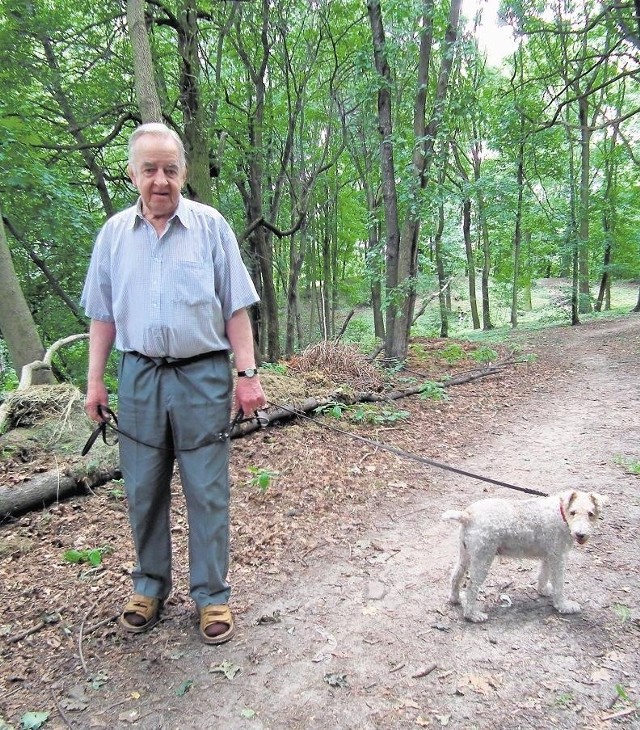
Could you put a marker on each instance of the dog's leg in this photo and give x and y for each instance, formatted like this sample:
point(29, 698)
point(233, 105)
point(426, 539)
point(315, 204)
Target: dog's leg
point(458, 574)
point(560, 603)
point(478, 569)
point(544, 586)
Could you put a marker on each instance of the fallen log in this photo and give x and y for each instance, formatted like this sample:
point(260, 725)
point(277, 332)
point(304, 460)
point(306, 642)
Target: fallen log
point(285, 412)
point(49, 487)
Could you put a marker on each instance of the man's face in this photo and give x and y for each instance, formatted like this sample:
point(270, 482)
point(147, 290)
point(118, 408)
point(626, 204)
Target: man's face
point(157, 174)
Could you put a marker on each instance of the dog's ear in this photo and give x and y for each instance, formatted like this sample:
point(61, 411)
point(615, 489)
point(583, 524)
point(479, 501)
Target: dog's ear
point(599, 500)
point(568, 497)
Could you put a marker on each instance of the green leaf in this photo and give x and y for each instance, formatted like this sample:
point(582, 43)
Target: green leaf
point(73, 556)
point(94, 557)
point(33, 720)
point(184, 687)
point(248, 713)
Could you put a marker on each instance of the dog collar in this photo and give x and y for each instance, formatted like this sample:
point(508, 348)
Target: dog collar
point(562, 514)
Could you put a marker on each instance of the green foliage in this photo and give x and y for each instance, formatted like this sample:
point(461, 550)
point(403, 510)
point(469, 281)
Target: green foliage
point(8, 378)
point(33, 720)
point(377, 415)
point(431, 390)
point(623, 612)
point(364, 413)
point(565, 699)
point(453, 353)
point(93, 556)
point(261, 478)
point(632, 466)
point(484, 355)
point(68, 105)
point(279, 368)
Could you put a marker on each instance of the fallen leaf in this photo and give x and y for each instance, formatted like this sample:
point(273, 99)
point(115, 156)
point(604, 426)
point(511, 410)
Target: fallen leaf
point(248, 713)
point(130, 716)
point(33, 720)
point(334, 679)
point(601, 675)
point(184, 687)
point(479, 684)
point(274, 618)
point(229, 669)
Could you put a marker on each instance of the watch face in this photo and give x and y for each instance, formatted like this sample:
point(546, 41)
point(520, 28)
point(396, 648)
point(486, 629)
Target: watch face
point(248, 373)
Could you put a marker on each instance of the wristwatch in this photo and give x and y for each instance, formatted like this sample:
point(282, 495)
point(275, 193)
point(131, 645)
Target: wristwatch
point(248, 373)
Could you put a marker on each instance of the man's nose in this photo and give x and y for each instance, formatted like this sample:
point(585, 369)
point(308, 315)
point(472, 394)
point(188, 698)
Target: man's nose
point(160, 178)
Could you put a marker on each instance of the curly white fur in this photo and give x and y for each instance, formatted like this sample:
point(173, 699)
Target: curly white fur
point(543, 528)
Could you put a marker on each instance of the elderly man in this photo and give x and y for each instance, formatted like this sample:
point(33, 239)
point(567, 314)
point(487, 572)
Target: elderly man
point(167, 286)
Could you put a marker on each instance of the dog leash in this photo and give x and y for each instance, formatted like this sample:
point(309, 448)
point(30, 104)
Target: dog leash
point(110, 421)
point(411, 456)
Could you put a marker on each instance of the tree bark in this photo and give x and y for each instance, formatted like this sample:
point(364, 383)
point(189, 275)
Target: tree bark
point(16, 321)
point(146, 92)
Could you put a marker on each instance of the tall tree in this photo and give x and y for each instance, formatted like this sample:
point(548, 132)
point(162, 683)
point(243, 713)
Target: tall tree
point(402, 241)
point(16, 322)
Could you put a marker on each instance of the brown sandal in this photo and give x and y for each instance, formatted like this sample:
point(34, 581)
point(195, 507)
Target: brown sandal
point(210, 615)
point(143, 606)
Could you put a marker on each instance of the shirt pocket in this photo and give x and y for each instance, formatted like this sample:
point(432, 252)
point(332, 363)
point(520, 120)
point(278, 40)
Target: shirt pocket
point(194, 284)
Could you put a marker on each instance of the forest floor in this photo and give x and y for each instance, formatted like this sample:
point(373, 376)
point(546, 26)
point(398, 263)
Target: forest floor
point(340, 571)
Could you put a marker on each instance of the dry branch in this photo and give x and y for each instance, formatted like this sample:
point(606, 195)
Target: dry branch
point(284, 412)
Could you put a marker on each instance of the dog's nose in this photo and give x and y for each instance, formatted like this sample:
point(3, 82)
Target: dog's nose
point(581, 537)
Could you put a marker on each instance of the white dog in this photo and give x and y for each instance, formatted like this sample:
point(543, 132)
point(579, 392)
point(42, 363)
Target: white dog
point(542, 528)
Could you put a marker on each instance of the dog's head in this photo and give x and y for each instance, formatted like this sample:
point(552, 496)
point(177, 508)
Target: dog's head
point(581, 511)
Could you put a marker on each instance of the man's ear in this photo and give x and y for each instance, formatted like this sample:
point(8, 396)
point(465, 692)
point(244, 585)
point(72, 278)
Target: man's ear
point(132, 175)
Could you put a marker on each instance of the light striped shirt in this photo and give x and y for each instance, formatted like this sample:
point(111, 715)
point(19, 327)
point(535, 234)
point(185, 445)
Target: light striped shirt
point(169, 296)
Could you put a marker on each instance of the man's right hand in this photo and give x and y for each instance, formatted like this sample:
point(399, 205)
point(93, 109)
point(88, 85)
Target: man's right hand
point(96, 396)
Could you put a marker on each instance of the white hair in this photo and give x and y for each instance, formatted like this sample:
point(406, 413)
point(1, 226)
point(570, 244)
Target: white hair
point(159, 130)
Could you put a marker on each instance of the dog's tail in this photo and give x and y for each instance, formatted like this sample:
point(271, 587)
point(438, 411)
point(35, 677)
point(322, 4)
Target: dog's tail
point(461, 516)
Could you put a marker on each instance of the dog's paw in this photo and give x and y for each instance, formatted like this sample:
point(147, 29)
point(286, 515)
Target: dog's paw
point(567, 607)
point(545, 590)
point(476, 617)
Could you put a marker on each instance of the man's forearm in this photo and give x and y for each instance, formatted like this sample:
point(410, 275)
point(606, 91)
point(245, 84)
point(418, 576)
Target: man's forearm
point(101, 338)
point(240, 336)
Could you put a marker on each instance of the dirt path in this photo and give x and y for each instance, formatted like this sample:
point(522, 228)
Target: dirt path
point(356, 632)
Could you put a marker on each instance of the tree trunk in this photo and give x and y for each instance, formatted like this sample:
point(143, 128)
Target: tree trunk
point(517, 238)
point(394, 346)
point(16, 321)
point(146, 92)
point(583, 250)
point(196, 133)
point(471, 264)
point(442, 298)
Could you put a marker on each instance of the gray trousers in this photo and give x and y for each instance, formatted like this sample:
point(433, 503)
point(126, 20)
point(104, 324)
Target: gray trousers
point(176, 412)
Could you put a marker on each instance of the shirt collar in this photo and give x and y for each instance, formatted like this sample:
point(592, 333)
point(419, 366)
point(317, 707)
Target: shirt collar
point(181, 213)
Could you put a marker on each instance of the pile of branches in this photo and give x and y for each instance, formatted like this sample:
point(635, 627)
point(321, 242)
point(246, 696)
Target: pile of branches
point(341, 363)
point(26, 408)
